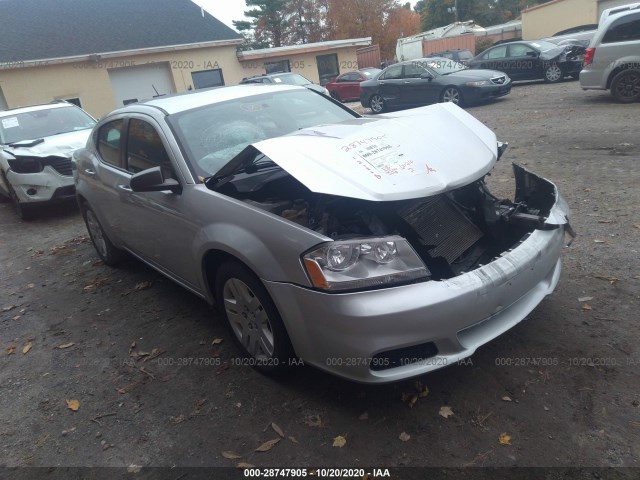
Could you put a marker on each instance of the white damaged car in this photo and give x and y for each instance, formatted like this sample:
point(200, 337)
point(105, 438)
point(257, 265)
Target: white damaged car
point(367, 247)
point(36, 144)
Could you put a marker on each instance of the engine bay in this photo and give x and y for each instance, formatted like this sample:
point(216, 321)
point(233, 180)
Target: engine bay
point(452, 232)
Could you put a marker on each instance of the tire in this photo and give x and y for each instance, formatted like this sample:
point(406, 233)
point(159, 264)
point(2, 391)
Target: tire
point(24, 211)
point(377, 104)
point(625, 86)
point(253, 319)
point(553, 73)
point(336, 96)
point(453, 95)
point(107, 252)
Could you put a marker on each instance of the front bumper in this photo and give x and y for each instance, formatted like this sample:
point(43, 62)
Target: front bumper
point(45, 186)
point(346, 333)
point(479, 94)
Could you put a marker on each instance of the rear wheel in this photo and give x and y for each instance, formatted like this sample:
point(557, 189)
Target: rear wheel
point(107, 252)
point(453, 95)
point(377, 104)
point(553, 73)
point(625, 86)
point(253, 319)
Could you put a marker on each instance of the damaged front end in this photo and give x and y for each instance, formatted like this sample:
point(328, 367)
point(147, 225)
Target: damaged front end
point(382, 243)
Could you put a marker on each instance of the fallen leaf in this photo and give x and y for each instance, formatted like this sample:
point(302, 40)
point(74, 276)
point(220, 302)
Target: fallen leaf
point(121, 391)
point(66, 345)
point(504, 439)
point(637, 225)
point(27, 347)
point(599, 241)
point(156, 352)
point(586, 307)
point(132, 346)
point(404, 437)
point(179, 419)
point(11, 349)
point(10, 307)
point(268, 445)
point(139, 355)
point(245, 465)
point(410, 399)
point(277, 429)
point(133, 468)
point(611, 280)
point(506, 399)
point(73, 405)
point(142, 285)
point(585, 299)
point(364, 416)
point(314, 421)
point(445, 411)
point(339, 441)
point(587, 189)
point(17, 317)
point(231, 455)
point(217, 341)
point(293, 439)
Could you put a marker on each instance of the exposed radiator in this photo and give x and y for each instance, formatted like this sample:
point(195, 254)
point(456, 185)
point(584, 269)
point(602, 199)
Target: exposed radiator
point(441, 225)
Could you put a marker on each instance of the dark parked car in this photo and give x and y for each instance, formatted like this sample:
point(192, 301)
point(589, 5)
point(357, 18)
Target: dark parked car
point(431, 80)
point(535, 60)
point(461, 55)
point(347, 86)
point(286, 78)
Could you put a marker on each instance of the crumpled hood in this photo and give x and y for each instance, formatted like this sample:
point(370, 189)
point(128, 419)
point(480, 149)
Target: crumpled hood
point(62, 145)
point(403, 155)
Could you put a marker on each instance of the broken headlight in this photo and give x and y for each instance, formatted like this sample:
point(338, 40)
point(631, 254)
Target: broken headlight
point(25, 165)
point(363, 263)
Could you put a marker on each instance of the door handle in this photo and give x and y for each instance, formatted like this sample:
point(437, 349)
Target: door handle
point(125, 188)
point(380, 83)
point(91, 173)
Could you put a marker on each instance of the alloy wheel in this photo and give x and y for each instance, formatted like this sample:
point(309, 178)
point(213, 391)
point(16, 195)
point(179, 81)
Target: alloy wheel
point(452, 95)
point(377, 104)
point(628, 86)
point(553, 73)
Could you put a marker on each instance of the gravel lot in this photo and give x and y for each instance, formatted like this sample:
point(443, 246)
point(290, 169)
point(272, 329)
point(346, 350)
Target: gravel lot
point(89, 327)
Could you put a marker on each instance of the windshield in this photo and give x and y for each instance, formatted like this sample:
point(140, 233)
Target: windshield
point(291, 79)
point(212, 135)
point(543, 46)
point(43, 123)
point(443, 66)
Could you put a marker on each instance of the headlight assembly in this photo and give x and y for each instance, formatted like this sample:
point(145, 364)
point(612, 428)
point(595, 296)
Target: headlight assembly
point(25, 165)
point(363, 263)
point(479, 83)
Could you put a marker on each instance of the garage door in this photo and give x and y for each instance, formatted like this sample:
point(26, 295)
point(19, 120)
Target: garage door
point(135, 84)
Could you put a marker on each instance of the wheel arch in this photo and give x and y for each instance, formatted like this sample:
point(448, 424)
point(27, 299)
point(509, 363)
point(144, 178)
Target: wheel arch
point(625, 65)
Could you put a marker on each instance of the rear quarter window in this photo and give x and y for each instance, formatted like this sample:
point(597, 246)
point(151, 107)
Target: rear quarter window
point(623, 29)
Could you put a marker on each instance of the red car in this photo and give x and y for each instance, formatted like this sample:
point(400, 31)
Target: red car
point(347, 86)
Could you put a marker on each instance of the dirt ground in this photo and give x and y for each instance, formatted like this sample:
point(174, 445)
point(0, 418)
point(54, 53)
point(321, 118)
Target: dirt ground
point(151, 366)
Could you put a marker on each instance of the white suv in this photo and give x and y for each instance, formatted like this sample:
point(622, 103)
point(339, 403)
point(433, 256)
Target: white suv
point(612, 60)
point(36, 144)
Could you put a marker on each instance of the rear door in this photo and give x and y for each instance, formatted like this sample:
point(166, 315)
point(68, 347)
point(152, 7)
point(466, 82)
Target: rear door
point(523, 62)
point(417, 90)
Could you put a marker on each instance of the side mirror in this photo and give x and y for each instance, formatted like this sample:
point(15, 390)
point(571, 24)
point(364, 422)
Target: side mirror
point(426, 76)
point(152, 180)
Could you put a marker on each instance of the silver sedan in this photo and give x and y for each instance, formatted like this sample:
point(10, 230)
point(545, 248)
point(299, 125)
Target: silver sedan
point(367, 247)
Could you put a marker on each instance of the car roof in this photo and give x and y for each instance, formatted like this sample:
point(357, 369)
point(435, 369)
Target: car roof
point(34, 108)
point(186, 101)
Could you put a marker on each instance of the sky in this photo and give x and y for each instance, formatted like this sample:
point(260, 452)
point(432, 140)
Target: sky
point(228, 10)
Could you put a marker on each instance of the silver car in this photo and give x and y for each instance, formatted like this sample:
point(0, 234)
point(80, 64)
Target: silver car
point(612, 61)
point(367, 247)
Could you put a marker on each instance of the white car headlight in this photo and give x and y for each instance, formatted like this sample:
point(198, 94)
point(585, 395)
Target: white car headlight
point(362, 263)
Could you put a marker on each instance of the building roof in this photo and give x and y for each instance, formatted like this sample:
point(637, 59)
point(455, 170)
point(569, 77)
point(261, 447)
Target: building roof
point(47, 29)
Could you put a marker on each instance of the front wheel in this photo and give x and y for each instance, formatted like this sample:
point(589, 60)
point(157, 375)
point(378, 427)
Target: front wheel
point(377, 104)
point(625, 86)
point(23, 210)
point(107, 252)
point(253, 319)
point(553, 73)
point(453, 95)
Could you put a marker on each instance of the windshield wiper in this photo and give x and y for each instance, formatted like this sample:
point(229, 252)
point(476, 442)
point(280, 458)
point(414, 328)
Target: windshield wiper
point(26, 143)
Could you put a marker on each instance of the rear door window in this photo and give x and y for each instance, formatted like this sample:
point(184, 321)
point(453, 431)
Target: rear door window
point(624, 29)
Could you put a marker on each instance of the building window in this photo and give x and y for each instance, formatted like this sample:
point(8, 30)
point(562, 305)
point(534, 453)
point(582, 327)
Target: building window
point(277, 67)
point(327, 67)
point(207, 78)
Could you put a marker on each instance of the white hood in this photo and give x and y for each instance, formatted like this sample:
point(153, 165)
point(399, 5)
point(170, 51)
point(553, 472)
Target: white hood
point(62, 145)
point(409, 154)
